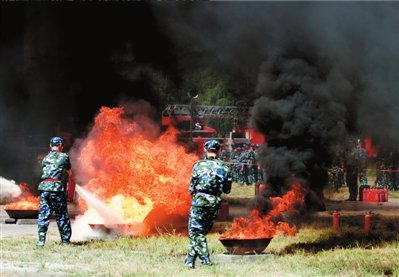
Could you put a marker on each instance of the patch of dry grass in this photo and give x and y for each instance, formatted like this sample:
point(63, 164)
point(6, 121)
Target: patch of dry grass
point(314, 251)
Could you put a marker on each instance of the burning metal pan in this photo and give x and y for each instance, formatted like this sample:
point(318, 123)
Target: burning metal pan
point(245, 246)
point(21, 214)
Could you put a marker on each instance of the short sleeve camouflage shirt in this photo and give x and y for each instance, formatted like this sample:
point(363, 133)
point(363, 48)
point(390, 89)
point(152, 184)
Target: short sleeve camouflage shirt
point(210, 176)
point(54, 171)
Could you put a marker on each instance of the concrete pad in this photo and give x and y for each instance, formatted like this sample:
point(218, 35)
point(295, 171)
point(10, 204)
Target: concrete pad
point(23, 221)
point(229, 258)
point(10, 221)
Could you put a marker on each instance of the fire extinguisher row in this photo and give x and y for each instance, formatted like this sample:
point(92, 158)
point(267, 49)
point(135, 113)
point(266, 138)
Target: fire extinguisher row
point(368, 219)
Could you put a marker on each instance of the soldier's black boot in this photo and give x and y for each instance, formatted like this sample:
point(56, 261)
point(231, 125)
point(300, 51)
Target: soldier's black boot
point(42, 239)
point(206, 261)
point(189, 261)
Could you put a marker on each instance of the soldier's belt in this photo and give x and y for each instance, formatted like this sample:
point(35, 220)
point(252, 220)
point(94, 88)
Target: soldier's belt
point(51, 180)
point(214, 194)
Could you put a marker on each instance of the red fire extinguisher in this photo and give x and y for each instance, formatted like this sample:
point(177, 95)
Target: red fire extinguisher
point(336, 220)
point(368, 220)
point(223, 213)
point(70, 190)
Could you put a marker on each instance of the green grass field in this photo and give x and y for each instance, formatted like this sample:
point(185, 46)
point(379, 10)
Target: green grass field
point(316, 250)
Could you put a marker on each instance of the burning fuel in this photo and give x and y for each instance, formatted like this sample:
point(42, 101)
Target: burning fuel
point(138, 175)
point(271, 224)
point(26, 200)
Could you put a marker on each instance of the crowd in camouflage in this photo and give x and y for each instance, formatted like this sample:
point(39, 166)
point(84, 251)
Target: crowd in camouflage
point(244, 163)
point(387, 166)
point(351, 166)
point(53, 194)
point(209, 179)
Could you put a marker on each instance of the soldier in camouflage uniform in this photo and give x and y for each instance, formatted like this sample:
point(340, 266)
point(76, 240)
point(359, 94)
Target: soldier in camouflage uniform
point(353, 165)
point(245, 163)
point(210, 178)
point(236, 166)
point(253, 164)
point(362, 153)
point(56, 169)
point(225, 155)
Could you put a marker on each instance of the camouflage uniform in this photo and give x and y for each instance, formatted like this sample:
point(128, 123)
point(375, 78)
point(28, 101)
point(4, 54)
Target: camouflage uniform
point(245, 161)
point(333, 177)
point(253, 163)
point(236, 166)
point(336, 177)
point(362, 166)
point(53, 195)
point(225, 156)
point(210, 178)
point(353, 164)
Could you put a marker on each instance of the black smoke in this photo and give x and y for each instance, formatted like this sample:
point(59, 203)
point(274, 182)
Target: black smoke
point(318, 89)
point(60, 62)
point(322, 72)
point(314, 72)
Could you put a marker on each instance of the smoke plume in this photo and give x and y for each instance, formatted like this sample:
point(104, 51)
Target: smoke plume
point(317, 72)
point(9, 190)
point(60, 64)
point(324, 71)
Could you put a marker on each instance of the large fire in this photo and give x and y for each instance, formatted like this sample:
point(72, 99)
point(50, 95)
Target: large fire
point(26, 201)
point(141, 177)
point(267, 226)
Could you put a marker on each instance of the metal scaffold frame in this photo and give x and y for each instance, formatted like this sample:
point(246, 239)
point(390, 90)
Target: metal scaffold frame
point(201, 111)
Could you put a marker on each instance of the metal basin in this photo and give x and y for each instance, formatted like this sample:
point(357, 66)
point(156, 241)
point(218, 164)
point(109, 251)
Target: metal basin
point(245, 246)
point(20, 214)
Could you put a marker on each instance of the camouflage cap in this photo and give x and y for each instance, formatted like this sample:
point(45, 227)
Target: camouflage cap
point(56, 141)
point(212, 145)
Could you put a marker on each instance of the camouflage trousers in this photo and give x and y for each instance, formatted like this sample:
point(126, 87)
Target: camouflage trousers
point(200, 223)
point(363, 177)
point(54, 202)
point(351, 182)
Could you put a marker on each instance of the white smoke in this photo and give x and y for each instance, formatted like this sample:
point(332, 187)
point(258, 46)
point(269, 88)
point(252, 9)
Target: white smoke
point(8, 190)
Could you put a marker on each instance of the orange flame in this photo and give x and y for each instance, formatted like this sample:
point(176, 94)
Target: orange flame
point(135, 173)
point(265, 227)
point(25, 202)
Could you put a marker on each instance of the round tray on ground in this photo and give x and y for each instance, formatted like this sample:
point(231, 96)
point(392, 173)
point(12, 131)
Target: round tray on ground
point(19, 214)
point(245, 246)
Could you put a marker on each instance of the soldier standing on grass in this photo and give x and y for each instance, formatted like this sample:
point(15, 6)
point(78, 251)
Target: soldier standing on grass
point(362, 156)
point(209, 179)
point(353, 165)
point(235, 165)
point(56, 169)
point(245, 161)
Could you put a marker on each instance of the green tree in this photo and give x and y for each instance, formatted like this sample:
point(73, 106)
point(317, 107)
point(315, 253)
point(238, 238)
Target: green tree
point(211, 88)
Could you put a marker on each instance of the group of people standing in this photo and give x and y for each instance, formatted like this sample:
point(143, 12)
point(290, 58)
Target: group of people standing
point(243, 160)
point(349, 169)
point(351, 166)
point(387, 166)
